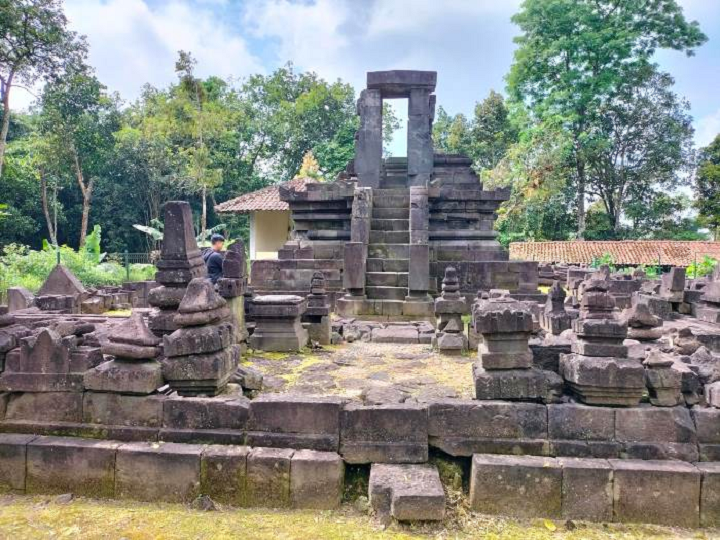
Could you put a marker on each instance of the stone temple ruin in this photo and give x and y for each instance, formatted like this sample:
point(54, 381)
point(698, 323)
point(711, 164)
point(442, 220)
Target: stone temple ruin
point(599, 401)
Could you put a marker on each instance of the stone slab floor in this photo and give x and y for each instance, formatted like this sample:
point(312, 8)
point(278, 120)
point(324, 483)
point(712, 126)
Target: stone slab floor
point(375, 372)
point(24, 517)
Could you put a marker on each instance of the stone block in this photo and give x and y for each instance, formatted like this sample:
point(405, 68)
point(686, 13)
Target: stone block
point(517, 486)
point(655, 424)
point(125, 376)
point(587, 489)
point(45, 407)
point(122, 410)
point(395, 334)
point(223, 473)
point(220, 412)
point(392, 433)
point(657, 492)
point(580, 422)
point(707, 424)
point(268, 477)
point(83, 467)
point(464, 427)
point(709, 494)
point(166, 472)
point(13, 452)
point(295, 422)
point(406, 492)
point(19, 298)
point(199, 339)
point(517, 384)
point(316, 479)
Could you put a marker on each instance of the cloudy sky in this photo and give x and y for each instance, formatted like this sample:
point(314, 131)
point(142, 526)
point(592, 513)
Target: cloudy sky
point(469, 43)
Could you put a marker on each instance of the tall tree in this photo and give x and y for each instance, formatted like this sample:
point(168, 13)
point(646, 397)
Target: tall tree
point(78, 120)
point(707, 187)
point(34, 44)
point(574, 56)
point(639, 144)
point(492, 133)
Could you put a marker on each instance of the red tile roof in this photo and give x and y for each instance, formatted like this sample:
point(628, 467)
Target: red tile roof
point(267, 198)
point(629, 252)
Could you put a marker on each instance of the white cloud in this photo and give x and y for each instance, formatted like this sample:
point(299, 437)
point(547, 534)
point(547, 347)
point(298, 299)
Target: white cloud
point(707, 128)
point(132, 43)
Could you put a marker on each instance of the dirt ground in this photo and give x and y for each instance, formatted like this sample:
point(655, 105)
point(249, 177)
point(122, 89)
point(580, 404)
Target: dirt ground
point(353, 369)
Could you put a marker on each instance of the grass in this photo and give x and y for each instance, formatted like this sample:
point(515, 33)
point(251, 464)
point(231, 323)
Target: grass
point(25, 517)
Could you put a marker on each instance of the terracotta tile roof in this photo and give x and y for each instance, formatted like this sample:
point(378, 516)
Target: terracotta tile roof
point(629, 252)
point(267, 198)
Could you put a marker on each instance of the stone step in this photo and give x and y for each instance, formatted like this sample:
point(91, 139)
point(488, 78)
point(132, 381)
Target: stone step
point(391, 213)
point(388, 251)
point(593, 489)
point(393, 181)
point(390, 237)
point(389, 224)
point(391, 201)
point(390, 192)
point(387, 265)
point(406, 492)
point(386, 279)
point(386, 293)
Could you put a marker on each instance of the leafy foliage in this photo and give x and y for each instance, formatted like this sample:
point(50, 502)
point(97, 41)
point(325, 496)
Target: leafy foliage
point(707, 187)
point(702, 268)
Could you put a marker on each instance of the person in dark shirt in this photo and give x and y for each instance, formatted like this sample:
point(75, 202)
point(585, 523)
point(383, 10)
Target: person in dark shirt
point(214, 258)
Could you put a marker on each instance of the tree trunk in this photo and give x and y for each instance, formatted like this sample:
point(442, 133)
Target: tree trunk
point(86, 190)
point(46, 210)
point(580, 166)
point(5, 93)
point(203, 224)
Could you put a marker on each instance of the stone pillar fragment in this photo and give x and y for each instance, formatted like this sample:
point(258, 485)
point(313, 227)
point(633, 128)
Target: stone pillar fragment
point(318, 311)
point(233, 284)
point(368, 143)
point(554, 318)
point(419, 142)
point(449, 309)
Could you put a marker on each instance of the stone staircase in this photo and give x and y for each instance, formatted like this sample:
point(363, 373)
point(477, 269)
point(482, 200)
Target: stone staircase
point(389, 246)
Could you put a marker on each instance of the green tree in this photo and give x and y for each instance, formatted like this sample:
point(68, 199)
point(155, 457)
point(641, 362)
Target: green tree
point(638, 144)
point(575, 56)
point(35, 44)
point(707, 187)
point(491, 132)
point(77, 122)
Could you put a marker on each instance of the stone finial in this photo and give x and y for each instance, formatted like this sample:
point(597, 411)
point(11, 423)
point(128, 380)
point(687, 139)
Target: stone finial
point(180, 259)
point(317, 283)
point(556, 299)
point(234, 264)
point(63, 282)
point(450, 282)
point(132, 339)
point(201, 305)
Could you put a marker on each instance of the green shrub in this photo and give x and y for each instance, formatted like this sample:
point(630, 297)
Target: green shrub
point(702, 268)
point(23, 267)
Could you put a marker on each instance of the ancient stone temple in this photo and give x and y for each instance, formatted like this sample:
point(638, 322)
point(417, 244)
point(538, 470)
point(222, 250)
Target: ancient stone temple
point(385, 231)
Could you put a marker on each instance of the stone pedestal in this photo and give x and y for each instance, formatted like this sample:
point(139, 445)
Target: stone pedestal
point(663, 382)
point(278, 323)
point(642, 324)
point(598, 370)
point(449, 308)
point(504, 367)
